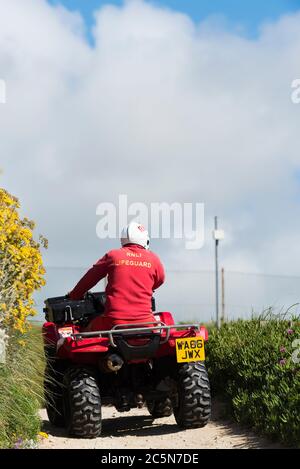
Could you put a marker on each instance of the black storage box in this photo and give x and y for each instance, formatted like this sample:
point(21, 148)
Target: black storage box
point(61, 309)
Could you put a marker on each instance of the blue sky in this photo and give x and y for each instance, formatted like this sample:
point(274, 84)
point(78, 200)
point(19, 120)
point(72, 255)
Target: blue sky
point(249, 14)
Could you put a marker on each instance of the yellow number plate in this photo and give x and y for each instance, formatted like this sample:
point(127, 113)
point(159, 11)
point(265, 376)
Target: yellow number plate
point(190, 349)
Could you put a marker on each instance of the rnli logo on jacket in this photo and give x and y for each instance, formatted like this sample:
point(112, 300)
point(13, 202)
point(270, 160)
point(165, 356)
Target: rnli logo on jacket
point(190, 349)
point(133, 254)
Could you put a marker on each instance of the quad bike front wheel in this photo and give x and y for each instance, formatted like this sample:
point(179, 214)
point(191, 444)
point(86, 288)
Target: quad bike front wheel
point(82, 403)
point(160, 408)
point(192, 408)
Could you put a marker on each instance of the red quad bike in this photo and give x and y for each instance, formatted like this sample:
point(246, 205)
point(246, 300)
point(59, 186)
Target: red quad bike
point(160, 366)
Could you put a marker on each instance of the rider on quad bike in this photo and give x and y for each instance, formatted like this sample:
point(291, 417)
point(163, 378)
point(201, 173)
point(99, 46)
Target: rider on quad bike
point(133, 273)
point(115, 348)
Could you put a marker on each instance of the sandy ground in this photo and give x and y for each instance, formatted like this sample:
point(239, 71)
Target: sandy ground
point(136, 429)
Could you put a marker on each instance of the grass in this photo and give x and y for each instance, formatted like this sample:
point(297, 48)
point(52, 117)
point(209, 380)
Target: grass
point(21, 389)
point(252, 367)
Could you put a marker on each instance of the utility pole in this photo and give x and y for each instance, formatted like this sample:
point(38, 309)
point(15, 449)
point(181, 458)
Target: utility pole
point(223, 296)
point(218, 235)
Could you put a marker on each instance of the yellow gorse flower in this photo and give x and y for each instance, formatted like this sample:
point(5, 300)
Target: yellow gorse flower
point(21, 264)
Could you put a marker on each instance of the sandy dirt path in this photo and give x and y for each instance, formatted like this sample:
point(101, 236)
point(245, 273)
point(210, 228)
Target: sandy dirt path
point(136, 429)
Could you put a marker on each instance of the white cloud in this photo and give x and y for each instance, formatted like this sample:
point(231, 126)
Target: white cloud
point(161, 109)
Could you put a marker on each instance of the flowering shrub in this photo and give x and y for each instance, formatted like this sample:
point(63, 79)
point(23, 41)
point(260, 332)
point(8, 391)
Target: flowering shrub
point(21, 266)
point(21, 351)
point(255, 366)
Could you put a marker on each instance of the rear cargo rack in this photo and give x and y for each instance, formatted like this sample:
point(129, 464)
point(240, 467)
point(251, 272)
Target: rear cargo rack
point(138, 327)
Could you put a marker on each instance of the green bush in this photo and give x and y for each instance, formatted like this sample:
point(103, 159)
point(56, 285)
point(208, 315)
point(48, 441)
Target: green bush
point(251, 365)
point(21, 389)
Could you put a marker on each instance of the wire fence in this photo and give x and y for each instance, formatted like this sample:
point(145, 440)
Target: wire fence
point(190, 295)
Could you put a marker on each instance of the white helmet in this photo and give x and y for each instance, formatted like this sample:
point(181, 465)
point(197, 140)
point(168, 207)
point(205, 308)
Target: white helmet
point(135, 233)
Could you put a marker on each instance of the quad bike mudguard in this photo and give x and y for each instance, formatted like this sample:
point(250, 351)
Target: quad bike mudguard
point(134, 342)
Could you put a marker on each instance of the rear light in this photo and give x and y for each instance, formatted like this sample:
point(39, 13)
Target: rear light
point(204, 333)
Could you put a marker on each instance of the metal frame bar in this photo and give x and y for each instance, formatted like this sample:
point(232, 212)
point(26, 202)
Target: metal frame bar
point(115, 330)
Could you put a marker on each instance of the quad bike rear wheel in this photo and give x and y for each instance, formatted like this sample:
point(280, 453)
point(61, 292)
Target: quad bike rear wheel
point(53, 392)
point(160, 408)
point(82, 403)
point(192, 408)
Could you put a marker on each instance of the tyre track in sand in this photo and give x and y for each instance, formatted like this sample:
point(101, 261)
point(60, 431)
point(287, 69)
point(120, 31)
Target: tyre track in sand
point(136, 430)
